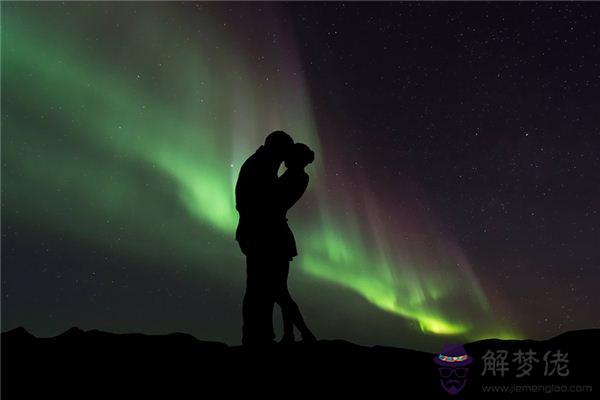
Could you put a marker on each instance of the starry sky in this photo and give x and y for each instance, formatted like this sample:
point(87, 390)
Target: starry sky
point(455, 193)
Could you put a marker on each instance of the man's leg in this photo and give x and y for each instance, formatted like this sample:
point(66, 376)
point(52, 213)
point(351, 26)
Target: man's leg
point(267, 299)
point(257, 308)
point(248, 313)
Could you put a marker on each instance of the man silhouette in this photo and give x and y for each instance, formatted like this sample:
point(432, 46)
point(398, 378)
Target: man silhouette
point(259, 234)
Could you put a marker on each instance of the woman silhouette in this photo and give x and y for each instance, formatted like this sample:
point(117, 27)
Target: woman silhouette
point(291, 186)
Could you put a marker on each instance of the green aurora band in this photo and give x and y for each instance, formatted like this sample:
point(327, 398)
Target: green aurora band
point(108, 131)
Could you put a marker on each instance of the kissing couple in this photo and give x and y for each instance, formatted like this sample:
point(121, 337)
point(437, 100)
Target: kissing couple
point(262, 200)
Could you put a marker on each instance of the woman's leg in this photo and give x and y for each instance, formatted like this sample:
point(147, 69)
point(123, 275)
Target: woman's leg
point(281, 298)
point(293, 316)
point(290, 311)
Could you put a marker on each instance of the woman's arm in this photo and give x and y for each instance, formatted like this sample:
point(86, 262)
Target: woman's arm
point(291, 188)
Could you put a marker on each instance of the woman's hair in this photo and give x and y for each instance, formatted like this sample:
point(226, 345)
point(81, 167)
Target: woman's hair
point(300, 156)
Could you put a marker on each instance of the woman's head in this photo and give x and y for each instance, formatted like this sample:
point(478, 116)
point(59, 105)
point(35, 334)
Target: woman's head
point(300, 156)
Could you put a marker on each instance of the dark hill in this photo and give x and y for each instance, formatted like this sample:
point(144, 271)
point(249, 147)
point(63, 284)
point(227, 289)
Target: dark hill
point(83, 364)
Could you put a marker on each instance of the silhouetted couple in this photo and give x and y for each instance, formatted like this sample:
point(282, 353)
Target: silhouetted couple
point(262, 200)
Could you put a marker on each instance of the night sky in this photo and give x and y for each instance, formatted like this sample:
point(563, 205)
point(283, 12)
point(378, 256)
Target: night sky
point(455, 193)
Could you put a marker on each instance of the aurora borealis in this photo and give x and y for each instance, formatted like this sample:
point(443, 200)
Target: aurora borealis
point(124, 127)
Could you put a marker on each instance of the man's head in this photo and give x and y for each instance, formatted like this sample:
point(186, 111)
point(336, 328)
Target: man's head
point(279, 144)
point(300, 156)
